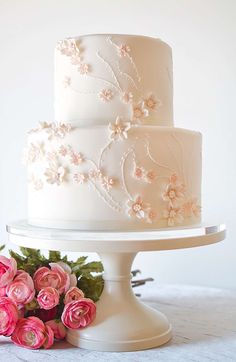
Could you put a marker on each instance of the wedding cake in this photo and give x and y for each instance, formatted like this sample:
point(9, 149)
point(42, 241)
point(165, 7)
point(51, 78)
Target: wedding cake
point(112, 159)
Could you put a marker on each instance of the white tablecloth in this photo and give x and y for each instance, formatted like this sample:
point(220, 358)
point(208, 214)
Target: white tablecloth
point(204, 329)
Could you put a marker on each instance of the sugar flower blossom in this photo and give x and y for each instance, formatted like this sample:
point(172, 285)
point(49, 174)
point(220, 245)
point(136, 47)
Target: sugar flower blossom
point(174, 190)
point(106, 95)
point(151, 102)
point(55, 174)
point(119, 129)
point(173, 215)
point(139, 112)
point(137, 208)
point(123, 50)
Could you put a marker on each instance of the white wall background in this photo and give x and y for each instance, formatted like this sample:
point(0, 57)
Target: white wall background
point(202, 34)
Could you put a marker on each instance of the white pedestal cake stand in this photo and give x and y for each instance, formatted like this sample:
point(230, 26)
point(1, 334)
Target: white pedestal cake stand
point(122, 323)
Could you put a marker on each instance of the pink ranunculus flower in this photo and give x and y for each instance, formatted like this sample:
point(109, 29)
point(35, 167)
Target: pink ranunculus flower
point(79, 314)
point(8, 316)
point(3, 292)
point(49, 337)
point(56, 277)
point(8, 268)
point(73, 294)
point(58, 328)
point(21, 289)
point(48, 298)
point(31, 333)
point(67, 269)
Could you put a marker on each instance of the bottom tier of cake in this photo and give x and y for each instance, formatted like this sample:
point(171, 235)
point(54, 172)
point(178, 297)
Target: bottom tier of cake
point(113, 178)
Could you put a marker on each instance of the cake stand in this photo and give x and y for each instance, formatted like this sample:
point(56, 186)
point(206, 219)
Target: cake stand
point(122, 323)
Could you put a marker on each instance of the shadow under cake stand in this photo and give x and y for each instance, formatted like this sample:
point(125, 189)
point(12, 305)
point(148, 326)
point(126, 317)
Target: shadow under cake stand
point(123, 323)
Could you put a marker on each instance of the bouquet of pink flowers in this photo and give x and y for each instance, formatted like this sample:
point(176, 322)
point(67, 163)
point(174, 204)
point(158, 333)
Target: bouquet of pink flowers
point(40, 297)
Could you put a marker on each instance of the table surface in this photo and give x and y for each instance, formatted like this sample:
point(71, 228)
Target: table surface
point(204, 329)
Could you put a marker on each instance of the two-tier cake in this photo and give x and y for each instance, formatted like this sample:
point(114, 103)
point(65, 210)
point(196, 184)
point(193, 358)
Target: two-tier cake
point(113, 160)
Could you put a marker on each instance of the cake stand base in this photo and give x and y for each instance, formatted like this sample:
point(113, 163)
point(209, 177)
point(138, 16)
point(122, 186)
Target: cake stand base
point(123, 323)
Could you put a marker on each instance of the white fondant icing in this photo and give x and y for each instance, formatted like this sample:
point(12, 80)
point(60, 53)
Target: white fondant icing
point(118, 64)
point(112, 160)
point(102, 201)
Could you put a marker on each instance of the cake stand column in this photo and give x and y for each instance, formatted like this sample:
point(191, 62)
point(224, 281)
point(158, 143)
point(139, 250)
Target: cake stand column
point(122, 323)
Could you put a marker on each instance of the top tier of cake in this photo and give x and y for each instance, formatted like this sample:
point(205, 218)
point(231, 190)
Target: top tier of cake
point(101, 77)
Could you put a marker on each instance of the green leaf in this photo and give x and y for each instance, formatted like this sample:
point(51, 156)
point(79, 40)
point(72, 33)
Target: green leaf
point(25, 251)
point(17, 256)
point(81, 260)
point(94, 266)
point(2, 247)
point(65, 259)
point(92, 288)
point(54, 256)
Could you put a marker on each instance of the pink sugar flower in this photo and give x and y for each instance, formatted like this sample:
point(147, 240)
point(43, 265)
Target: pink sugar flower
point(76, 158)
point(58, 328)
point(151, 216)
point(55, 174)
point(8, 268)
point(192, 208)
point(21, 289)
point(63, 150)
point(139, 112)
point(106, 95)
point(48, 298)
point(139, 172)
point(123, 50)
point(79, 314)
point(150, 176)
point(8, 316)
point(31, 333)
point(73, 294)
point(174, 191)
point(138, 208)
point(83, 68)
point(54, 277)
point(151, 102)
point(108, 182)
point(173, 215)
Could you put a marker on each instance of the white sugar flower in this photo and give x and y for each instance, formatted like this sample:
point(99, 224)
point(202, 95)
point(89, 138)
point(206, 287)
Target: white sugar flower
point(55, 174)
point(119, 129)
